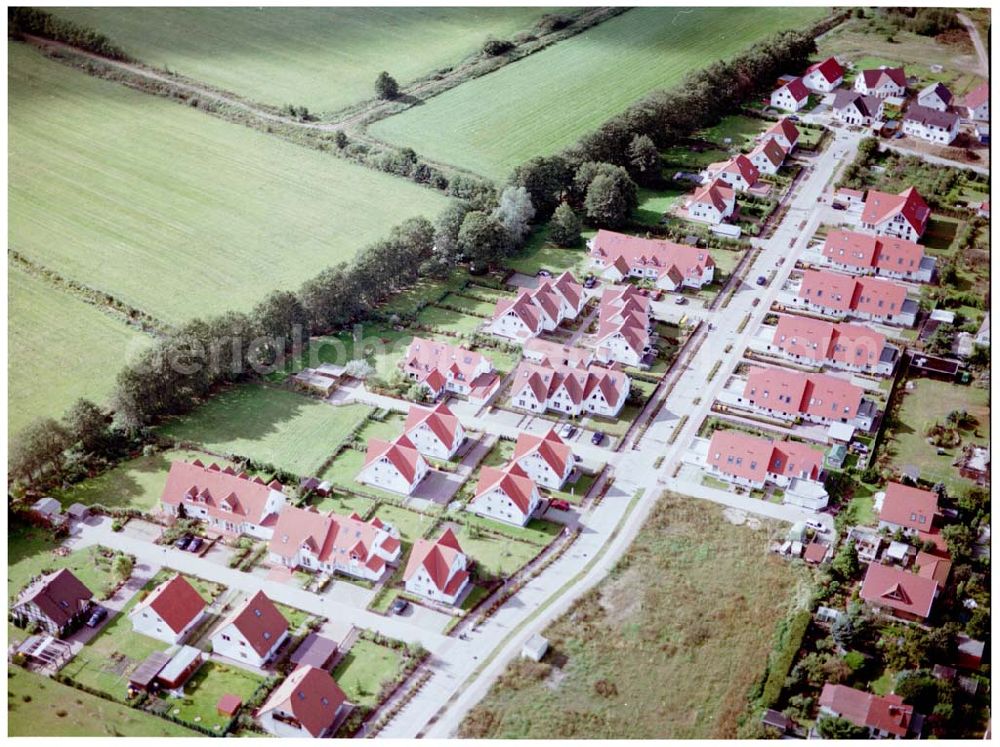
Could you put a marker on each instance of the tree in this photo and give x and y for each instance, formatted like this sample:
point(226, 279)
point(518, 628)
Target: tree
point(611, 198)
point(845, 563)
point(482, 238)
point(564, 229)
point(386, 87)
point(546, 178)
point(494, 47)
point(122, 567)
point(282, 320)
point(515, 212)
point(340, 138)
point(39, 446)
point(834, 727)
point(359, 368)
point(644, 159)
point(87, 425)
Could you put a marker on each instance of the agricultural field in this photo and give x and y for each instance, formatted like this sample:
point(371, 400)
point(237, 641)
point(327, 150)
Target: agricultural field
point(67, 712)
point(60, 349)
point(172, 211)
point(274, 426)
point(545, 102)
point(691, 610)
point(323, 58)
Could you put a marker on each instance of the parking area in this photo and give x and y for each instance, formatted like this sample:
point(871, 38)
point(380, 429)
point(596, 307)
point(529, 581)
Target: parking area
point(142, 530)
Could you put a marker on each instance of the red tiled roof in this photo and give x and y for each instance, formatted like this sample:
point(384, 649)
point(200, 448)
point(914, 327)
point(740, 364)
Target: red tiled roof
point(522, 308)
point(785, 127)
point(175, 601)
point(933, 567)
point(557, 354)
point(815, 552)
point(311, 696)
point(740, 164)
point(844, 293)
point(557, 454)
point(829, 68)
point(794, 459)
point(260, 622)
point(570, 289)
point(326, 534)
point(226, 495)
point(797, 392)
point(873, 78)
point(866, 251)
point(881, 206)
point(890, 586)
point(512, 480)
point(883, 713)
point(435, 557)
point(797, 88)
point(660, 254)
point(425, 356)
point(740, 455)
point(978, 96)
point(440, 419)
point(908, 507)
point(579, 383)
point(401, 453)
point(717, 193)
point(820, 341)
point(771, 150)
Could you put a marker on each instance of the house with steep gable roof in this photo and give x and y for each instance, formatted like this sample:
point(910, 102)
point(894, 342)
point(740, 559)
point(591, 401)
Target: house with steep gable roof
point(437, 570)
point(898, 592)
point(884, 716)
point(434, 431)
point(767, 156)
point(450, 368)
point(396, 466)
point(838, 345)
point(738, 172)
point(977, 103)
point(253, 633)
point(886, 256)
point(784, 132)
point(909, 509)
point(308, 703)
point(857, 109)
point(882, 83)
point(624, 326)
point(518, 318)
point(904, 216)
point(668, 264)
point(547, 459)
point(569, 390)
point(170, 611)
point(790, 97)
point(815, 397)
point(936, 96)
point(823, 76)
point(862, 298)
point(932, 125)
point(548, 353)
point(57, 602)
point(506, 494)
point(713, 202)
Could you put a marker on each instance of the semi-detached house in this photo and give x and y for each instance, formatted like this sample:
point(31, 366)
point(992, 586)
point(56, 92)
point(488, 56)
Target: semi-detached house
point(882, 83)
point(863, 298)
point(928, 124)
point(624, 326)
point(444, 368)
point(904, 216)
point(839, 345)
point(617, 256)
point(539, 310)
point(857, 109)
point(815, 397)
point(885, 256)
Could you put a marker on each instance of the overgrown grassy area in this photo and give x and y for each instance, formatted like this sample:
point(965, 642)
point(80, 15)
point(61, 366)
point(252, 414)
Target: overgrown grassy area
point(66, 712)
point(364, 668)
point(325, 58)
point(545, 102)
point(286, 429)
point(667, 647)
point(60, 349)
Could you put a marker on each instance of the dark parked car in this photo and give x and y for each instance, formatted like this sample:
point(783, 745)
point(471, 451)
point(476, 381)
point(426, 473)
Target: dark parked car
point(544, 274)
point(761, 280)
point(96, 615)
point(398, 606)
point(590, 282)
point(195, 544)
point(597, 438)
point(183, 542)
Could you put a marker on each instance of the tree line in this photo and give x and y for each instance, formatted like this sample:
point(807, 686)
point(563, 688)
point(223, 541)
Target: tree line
point(35, 22)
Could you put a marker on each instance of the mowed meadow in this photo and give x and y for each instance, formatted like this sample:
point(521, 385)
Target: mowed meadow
point(545, 102)
point(323, 58)
point(172, 211)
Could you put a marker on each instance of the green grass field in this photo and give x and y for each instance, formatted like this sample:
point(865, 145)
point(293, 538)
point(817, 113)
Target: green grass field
point(67, 712)
point(501, 556)
point(172, 211)
point(275, 426)
point(545, 102)
point(447, 321)
point(30, 552)
point(324, 58)
point(364, 668)
point(60, 348)
point(203, 690)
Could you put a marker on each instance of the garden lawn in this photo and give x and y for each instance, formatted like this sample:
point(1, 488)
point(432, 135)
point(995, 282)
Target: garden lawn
point(469, 305)
point(60, 349)
point(344, 504)
point(929, 402)
point(683, 158)
point(174, 212)
point(380, 345)
point(447, 321)
point(30, 552)
point(538, 532)
point(324, 58)
point(691, 611)
point(498, 556)
point(740, 130)
point(546, 102)
point(364, 668)
point(653, 204)
point(540, 253)
point(137, 483)
point(203, 691)
point(412, 525)
point(68, 712)
point(289, 430)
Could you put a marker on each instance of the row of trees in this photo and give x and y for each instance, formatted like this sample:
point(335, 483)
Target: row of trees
point(34, 22)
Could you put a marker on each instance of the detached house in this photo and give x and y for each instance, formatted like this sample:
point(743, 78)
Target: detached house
point(569, 390)
point(331, 543)
point(936, 96)
point(713, 203)
point(57, 602)
point(785, 132)
point(253, 633)
point(838, 345)
point(507, 495)
point(911, 510)
point(817, 398)
point(977, 103)
point(738, 172)
point(884, 716)
point(768, 156)
point(885, 256)
point(395, 465)
point(882, 82)
point(934, 126)
point(897, 592)
point(226, 501)
point(434, 431)
point(904, 216)
point(171, 611)
point(824, 76)
point(545, 459)
point(791, 97)
point(437, 570)
point(863, 298)
point(307, 704)
point(624, 326)
point(450, 368)
point(617, 256)
point(857, 109)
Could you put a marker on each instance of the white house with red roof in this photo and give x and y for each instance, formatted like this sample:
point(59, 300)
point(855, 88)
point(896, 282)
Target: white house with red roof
point(857, 109)
point(767, 156)
point(882, 83)
point(308, 703)
point(815, 397)
point(449, 368)
point(904, 216)
point(538, 310)
point(784, 132)
point(517, 318)
point(977, 103)
point(434, 431)
point(227, 501)
point(330, 543)
point(547, 459)
point(624, 326)
point(824, 76)
point(738, 172)
point(548, 353)
point(909, 509)
point(713, 202)
point(898, 592)
point(169, 612)
point(791, 97)
point(396, 466)
point(253, 633)
point(884, 716)
point(569, 390)
point(437, 570)
point(932, 125)
point(839, 345)
point(617, 256)
point(863, 298)
point(506, 494)
point(886, 256)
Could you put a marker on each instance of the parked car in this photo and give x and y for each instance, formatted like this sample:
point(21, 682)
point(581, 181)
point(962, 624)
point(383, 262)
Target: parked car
point(680, 300)
point(839, 206)
point(816, 525)
point(761, 280)
point(568, 430)
point(398, 606)
point(590, 281)
point(96, 615)
point(544, 273)
point(755, 302)
point(559, 504)
point(597, 438)
point(195, 545)
point(794, 118)
point(183, 542)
